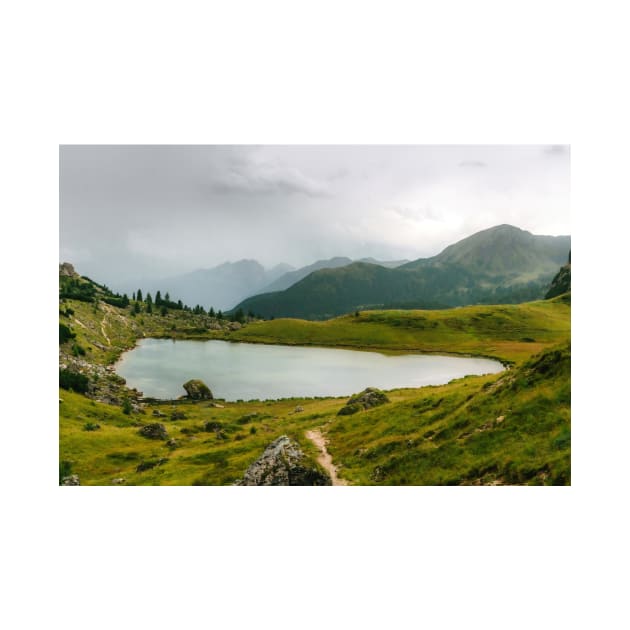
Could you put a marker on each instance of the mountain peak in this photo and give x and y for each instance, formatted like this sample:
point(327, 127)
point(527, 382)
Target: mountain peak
point(506, 249)
point(504, 228)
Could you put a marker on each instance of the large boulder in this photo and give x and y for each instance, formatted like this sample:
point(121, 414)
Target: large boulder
point(197, 390)
point(283, 464)
point(368, 398)
point(155, 431)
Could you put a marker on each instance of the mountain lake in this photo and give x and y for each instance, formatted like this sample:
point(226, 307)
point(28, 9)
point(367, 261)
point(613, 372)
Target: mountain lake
point(246, 371)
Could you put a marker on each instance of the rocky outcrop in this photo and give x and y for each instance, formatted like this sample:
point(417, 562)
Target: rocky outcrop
point(283, 464)
point(197, 390)
point(71, 480)
point(368, 398)
point(66, 269)
point(562, 282)
point(155, 431)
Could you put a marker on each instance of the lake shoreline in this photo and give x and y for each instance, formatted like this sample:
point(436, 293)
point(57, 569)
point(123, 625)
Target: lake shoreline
point(239, 371)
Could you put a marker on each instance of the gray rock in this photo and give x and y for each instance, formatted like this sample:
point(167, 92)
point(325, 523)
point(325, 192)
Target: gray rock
point(158, 414)
point(283, 464)
point(155, 431)
point(197, 390)
point(71, 480)
point(368, 398)
point(234, 326)
point(66, 269)
point(118, 481)
point(298, 409)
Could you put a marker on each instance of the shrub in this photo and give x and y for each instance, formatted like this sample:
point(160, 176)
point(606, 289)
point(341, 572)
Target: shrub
point(126, 406)
point(349, 409)
point(65, 469)
point(65, 334)
point(73, 381)
point(212, 426)
point(247, 418)
point(152, 463)
point(91, 426)
point(78, 350)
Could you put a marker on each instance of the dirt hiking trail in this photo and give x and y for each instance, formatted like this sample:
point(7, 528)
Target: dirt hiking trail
point(325, 459)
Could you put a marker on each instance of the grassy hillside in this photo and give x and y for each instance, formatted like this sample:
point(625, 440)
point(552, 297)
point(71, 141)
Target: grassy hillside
point(200, 455)
point(507, 332)
point(513, 428)
point(507, 428)
point(500, 265)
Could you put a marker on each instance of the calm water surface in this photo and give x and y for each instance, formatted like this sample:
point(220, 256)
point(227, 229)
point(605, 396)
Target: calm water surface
point(159, 367)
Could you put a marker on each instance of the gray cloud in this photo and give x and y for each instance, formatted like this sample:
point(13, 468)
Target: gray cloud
point(131, 211)
point(472, 164)
point(262, 178)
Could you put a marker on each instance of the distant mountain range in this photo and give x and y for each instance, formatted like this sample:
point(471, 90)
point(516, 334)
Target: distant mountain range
point(503, 264)
point(221, 287)
point(290, 278)
point(228, 284)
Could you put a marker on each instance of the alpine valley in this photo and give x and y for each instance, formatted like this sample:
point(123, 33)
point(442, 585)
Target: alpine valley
point(502, 293)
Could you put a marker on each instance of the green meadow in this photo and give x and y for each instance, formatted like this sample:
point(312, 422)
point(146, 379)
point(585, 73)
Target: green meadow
point(510, 428)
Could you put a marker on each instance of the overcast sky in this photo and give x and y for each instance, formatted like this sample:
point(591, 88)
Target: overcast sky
point(141, 211)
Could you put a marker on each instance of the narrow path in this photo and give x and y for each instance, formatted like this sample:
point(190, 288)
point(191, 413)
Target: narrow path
point(325, 459)
point(109, 343)
point(80, 323)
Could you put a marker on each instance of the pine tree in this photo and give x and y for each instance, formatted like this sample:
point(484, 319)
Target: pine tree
point(239, 316)
point(158, 299)
point(139, 295)
point(211, 312)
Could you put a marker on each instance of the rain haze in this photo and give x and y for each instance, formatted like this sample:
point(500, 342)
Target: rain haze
point(150, 211)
